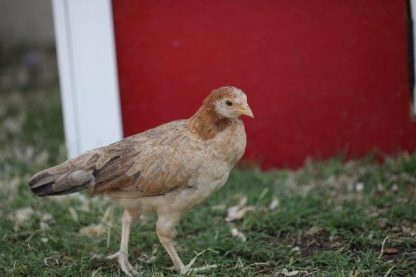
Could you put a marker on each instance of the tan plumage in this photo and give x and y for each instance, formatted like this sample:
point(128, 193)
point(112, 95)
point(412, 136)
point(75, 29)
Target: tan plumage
point(166, 170)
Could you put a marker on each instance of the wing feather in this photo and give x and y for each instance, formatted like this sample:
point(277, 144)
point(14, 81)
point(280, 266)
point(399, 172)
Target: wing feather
point(152, 163)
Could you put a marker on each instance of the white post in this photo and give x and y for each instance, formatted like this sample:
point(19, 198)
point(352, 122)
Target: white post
point(88, 73)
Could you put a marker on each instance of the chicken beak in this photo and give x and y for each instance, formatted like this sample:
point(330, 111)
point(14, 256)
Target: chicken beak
point(245, 110)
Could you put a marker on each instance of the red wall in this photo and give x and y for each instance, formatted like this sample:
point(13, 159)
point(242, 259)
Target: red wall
point(323, 77)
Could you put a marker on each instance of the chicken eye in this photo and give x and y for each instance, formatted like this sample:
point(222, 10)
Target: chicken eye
point(229, 103)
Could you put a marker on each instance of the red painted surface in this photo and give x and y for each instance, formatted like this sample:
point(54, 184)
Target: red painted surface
point(323, 77)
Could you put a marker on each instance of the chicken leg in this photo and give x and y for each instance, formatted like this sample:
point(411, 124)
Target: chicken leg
point(129, 217)
point(165, 230)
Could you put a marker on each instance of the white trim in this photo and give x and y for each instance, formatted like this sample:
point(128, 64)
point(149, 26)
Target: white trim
point(88, 73)
point(413, 15)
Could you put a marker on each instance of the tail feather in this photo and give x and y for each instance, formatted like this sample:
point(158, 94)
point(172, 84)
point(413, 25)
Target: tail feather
point(58, 182)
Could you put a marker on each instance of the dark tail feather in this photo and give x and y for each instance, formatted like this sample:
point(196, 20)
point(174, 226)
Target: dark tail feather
point(46, 183)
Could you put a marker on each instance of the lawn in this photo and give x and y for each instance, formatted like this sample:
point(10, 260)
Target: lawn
point(329, 218)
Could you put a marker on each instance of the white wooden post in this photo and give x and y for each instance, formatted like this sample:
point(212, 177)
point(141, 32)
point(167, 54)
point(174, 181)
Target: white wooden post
point(88, 73)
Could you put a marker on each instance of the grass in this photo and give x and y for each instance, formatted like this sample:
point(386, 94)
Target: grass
point(329, 218)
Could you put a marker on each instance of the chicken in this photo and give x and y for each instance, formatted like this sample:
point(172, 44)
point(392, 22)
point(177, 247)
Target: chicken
point(166, 170)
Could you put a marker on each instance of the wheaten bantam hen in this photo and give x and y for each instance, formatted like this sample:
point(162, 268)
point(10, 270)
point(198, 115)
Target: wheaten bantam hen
point(166, 170)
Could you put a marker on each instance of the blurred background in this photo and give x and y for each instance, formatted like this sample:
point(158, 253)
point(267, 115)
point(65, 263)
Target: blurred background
point(30, 108)
point(27, 45)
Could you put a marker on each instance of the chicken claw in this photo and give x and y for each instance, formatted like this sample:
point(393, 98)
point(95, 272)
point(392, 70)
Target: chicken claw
point(123, 261)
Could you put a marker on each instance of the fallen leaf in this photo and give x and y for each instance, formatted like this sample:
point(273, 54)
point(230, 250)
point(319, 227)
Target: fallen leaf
point(295, 249)
point(289, 273)
point(359, 187)
point(390, 251)
point(273, 205)
point(93, 230)
point(44, 226)
point(238, 211)
point(45, 220)
point(50, 260)
point(313, 231)
point(22, 215)
point(236, 233)
point(242, 199)
point(46, 217)
point(74, 214)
